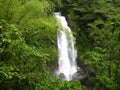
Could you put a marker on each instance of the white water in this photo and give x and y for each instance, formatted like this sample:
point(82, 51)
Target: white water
point(67, 52)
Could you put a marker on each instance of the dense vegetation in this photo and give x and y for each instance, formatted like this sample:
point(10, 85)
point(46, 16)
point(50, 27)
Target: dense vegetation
point(28, 43)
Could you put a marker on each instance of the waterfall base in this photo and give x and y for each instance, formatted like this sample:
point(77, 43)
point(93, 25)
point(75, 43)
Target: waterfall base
point(79, 75)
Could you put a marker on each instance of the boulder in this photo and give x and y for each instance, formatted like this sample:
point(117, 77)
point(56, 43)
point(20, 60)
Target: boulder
point(62, 76)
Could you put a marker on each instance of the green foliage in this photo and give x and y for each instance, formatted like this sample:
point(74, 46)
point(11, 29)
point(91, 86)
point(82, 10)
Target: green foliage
point(57, 4)
point(28, 39)
point(23, 12)
point(59, 85)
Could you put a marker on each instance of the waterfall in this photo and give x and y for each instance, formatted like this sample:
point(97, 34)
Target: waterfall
point(67, 53)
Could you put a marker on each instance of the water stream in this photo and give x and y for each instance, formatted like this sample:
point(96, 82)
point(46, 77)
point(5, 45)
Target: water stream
point(66, 48)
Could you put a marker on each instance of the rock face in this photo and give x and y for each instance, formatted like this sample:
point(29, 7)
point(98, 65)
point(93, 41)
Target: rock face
point(79, 75)
point(82, 72)
point(54, 65)
point(62, 76)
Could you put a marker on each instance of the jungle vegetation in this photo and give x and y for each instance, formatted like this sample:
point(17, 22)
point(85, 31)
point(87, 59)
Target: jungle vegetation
point(28, 43)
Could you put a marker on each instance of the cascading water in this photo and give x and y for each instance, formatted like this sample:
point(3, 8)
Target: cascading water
point(67, 53)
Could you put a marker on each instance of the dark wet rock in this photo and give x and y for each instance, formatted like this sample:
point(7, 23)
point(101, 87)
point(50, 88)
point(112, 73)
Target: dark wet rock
point(84, 87)
point(62, 76)
point(53, 66)
point(92, 73)
point(82, 71)
point(79, 76)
